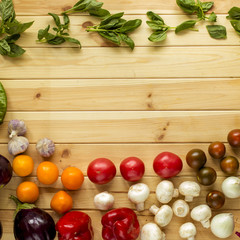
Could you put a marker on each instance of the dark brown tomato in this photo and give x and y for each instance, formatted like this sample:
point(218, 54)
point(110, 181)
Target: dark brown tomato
point(217, 150)
point(229, 165)
point(206, 176)
point(215, 199)
point(196, 158)
point(234, 138)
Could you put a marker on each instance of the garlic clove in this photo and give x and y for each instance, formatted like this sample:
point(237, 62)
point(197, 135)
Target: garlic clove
point(17, 145)
point(104, 201)
point(45, 147)
point(16, 128)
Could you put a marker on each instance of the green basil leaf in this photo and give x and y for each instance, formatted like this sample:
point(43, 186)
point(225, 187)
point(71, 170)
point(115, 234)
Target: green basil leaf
point(234, 13)
point(5, 46)
point(110, 24)
point(125, 38)
point(188, 6)
point(16, 50)
point(55, 29)
point(121, 21)
point(94, 5)
point(185, 25)
point(72, 40)
point(154, 17)
point(16, 27)
point(66, 19)
point(236, 25)
point(158, 36)
point(43, 32)
point(217, 31)
point(102, 13)
point(12, 38)
point(130, 25)
point(56, 40)
point(154, 25)
point(2, 51)
point(111, 36)
point(78, 3)
point(56, 19)
point(212, 17)
point(114, 16)
point(206, 6)
point(7, 10)
point(3, 103)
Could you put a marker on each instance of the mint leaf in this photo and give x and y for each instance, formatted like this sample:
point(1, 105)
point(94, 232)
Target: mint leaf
point(185, 25)
point(7, 10)
point(5, 46)
point(16, 27)
point(217, 31)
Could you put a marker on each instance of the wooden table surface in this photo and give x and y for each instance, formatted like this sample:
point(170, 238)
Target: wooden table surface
point(104, 101)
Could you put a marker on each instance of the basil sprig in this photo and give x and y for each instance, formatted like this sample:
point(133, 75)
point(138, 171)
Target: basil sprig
point(115, 29)
point(3, 103)
point(234, 16)
point(60, 35)
point(10, 30)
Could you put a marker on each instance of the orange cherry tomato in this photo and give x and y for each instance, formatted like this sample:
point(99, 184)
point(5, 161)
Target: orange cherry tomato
point(23, 165)
point(27, 192)
point(47, 172)
point(72, 178)
point(61, 202)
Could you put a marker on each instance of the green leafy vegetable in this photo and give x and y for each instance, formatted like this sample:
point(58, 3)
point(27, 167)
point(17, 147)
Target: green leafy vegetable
point(60, 35)
point(217, 31)
point(3, 103)
point(234, 15)
point(10, 30)
point(236, 25)
point(93, 7)
point(115, 29)
point(185, 25)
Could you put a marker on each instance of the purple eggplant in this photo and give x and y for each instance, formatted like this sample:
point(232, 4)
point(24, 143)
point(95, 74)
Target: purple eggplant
point(5, 171)
point(0, 230)
point(32, 223)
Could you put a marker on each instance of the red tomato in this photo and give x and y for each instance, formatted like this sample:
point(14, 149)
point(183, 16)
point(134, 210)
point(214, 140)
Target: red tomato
point(167, 165)
point(101, 171)
point(132, 169)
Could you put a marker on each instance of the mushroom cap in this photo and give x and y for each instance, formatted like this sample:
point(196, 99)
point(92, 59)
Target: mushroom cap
point(138, 192)
point(180, 208)
point(151, 231)
point(164, 215)
point(189, 188)
point(187, 230)
point(201, 212)
point(165, 191)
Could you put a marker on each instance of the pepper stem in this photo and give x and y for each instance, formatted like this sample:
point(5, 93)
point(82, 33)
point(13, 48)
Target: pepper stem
point(20, 205)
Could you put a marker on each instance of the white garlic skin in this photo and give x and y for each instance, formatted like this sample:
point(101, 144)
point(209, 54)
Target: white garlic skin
point(45, 147)
point(104, 201)
point(222, 225)
point(17, 145)
point(16, 128)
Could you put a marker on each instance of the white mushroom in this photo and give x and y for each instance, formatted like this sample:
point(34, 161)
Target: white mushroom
point(151, 231)
point(163, 215)
point(189, 189)
point(104, 201)
point(180, 208)
point(138, 194)
point(202, 213)
point(188, 230)
point(165, 191)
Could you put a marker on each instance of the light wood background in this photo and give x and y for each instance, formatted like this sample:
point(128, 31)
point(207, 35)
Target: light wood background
point(104, 101)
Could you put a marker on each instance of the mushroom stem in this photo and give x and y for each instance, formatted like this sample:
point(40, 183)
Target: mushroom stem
point(205, 223)
point(175, 193)
point(188, 198)
point(154, 209)
point(140, 206)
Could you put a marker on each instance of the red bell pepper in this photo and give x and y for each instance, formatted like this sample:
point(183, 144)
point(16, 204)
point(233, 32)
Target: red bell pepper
point(74, 225)
point(120, 224)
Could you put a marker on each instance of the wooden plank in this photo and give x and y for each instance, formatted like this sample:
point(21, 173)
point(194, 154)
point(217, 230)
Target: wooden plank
point(80, 155)
point(202, 234)
point(117, 126)
point(41, 7)
point(122, 94)
point(140, 36)
point(122, 63)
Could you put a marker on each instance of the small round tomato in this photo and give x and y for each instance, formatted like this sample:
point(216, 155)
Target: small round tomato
point(229, 165)
point(234, 138)
point(206, 176)
point(215, 199)
point(23, 165)
point(167, 165)
point(27, 192)
point(196, 158)
point(101, 171)
point(72, 178)
point(47, 172)
point(217, 150)
point(132, 169)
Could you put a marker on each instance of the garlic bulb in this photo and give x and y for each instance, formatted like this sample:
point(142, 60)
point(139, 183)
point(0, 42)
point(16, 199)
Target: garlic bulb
point(17, 145)
point(104, 201)
point(231, 187)
point(45, 147)
point(16, 128)
point(222, 225)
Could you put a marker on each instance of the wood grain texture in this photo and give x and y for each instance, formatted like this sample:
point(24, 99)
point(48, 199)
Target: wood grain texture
point(122, 94)
point(122, 63)
point(118, 127)
point(140, 36)
point(42, 7)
